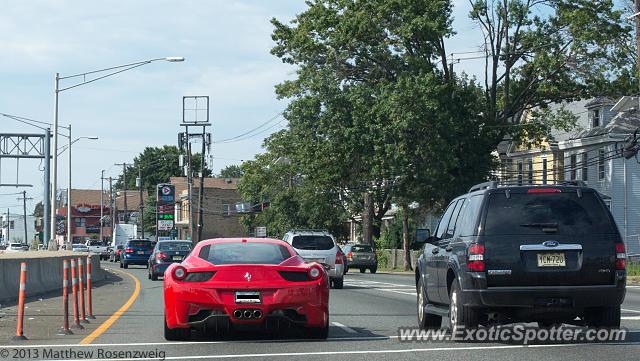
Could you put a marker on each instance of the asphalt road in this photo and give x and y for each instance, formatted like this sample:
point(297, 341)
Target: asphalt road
point(365, 317)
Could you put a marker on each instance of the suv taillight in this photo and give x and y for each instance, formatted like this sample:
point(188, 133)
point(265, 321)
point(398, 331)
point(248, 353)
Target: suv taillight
point(128, 250)
point(621, 257)
point(475, 259)
point(350, 256)
point(339, 257)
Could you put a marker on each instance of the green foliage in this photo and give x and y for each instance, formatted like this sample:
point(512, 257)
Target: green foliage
point(231, 171)
point(38, 210)
point(156, 165)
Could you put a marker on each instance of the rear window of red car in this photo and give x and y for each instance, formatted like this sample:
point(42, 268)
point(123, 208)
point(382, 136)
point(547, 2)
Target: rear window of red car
point(244, 253)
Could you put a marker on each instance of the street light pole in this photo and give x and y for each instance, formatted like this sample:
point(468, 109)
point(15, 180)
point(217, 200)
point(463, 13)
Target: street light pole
point(69, 240)
point(54, 178)
point(112, 71)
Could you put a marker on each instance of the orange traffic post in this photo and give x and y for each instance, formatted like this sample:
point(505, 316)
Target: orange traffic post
point(65, 298)
point(74, 290)
point(89, 299)
point(21, 296)
point(83, 318)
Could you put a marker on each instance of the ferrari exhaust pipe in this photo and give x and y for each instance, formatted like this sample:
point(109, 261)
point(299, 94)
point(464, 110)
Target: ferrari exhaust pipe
point(237, 313)
point(247, 314)
point(257, 314)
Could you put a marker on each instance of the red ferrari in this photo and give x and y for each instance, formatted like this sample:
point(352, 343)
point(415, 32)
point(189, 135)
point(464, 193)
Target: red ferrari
point(248, 283)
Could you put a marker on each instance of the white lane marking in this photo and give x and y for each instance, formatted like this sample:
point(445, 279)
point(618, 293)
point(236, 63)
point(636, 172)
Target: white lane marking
point(360, 338)
point(631, 318)
point(628, 310)
point(365, 352)
point(397, 291)
point(634, 287)
point(347, 329)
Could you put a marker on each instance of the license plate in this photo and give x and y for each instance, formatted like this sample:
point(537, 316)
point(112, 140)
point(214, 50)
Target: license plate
point(551, 260)
point(140, 252)
point(319, 260)
point(248, 297)
point(177, 258)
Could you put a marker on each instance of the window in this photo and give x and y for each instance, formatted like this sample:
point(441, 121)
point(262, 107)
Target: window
point(595, 120)
point(80, 222)
point(245, 253)
point(572, 167)
point(318, 243)
point(451, 228)
point(601, 164)
point(226, 210)
point(519, 172)
point(469, 217)
point(544, 171)
point(585, 166)
point(530, 170)
point(444, 221)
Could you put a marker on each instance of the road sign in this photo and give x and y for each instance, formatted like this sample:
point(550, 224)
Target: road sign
point(165, 225)
point(261, 231)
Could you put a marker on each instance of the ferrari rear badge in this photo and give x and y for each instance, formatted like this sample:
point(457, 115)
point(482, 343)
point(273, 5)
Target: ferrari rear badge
point(248, 276)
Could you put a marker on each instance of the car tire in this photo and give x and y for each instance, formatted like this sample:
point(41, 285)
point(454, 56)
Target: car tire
point(373, 269)
point(121, 266)
point(363, 270)
point(338, 283)
point(603, 317)
point(125, 265)
point(319, 333)
point(459, 314)
point(346, 270)
point(176, 334)
point(154, 276)
point(426, 320)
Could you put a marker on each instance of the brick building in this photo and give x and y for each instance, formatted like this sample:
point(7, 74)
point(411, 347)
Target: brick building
point(220, 216)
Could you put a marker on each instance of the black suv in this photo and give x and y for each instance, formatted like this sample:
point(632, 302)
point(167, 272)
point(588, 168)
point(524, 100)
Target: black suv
point(548, 254)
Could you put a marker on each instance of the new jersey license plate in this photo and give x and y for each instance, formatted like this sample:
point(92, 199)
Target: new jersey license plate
point(551, 260)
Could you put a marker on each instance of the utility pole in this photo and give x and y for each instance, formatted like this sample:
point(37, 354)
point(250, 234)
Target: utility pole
point(201, 190)
point(46, 229)
point(139, 183)
point(190, 185)
point(101, 204)
point(8, 227)
point(124, 182)
point(111, 207)
point(24, 213)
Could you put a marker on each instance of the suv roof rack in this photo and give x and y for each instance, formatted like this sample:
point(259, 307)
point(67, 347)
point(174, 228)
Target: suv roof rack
point(575, 183)
point(295, 230)
point(485, 185)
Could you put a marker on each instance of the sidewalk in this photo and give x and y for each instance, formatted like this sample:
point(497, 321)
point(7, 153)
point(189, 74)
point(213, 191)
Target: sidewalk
point(43, 315)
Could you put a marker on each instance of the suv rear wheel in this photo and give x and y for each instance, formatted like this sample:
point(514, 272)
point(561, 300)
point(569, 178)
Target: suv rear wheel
point(426, 320)
point(608, 317)
point(338, 283)
point(459, 314)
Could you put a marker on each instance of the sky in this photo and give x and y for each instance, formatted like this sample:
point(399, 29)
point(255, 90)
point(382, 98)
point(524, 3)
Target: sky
point(226, 49)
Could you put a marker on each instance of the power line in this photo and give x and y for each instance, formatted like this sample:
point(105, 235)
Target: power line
point(249, 133)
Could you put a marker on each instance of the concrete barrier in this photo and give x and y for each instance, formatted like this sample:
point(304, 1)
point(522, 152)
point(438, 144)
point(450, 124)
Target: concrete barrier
point(44, 272)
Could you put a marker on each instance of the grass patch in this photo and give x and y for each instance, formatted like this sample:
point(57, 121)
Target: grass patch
point(633, 269)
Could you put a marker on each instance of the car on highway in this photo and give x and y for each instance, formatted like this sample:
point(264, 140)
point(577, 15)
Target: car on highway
point(165, 253)
point(114, 253)
point(360, 256)
point(319, 246)
point(136, 252)
point(16, 247)
point(79, 247)
point(98, 247)
point(549, 254)
point(249, 283)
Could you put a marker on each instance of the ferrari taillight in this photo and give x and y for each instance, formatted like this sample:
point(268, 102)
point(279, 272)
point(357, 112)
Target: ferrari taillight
point(179, 273)
point(315, 273)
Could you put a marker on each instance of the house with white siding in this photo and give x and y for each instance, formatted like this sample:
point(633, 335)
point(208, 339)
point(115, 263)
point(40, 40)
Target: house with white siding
point(593, 155)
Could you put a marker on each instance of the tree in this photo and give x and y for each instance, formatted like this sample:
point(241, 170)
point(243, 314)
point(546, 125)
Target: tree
point(38, 210)
point(231, 171)
point(374, 108)
point(550, 51)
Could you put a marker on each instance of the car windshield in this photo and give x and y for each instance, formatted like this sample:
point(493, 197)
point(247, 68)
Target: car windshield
point(174, 246)
point(361, 249)
point(536, 213)
point(245, 253)
point(322, 243)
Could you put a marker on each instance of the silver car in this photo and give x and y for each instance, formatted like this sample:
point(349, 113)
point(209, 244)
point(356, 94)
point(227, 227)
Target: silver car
point(321, 247)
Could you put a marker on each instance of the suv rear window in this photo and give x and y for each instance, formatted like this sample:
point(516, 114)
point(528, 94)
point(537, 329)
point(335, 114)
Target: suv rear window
point(244, 253)
point(529, 213)
point(361, 249)
point(175, 246)
point(320, 243)
point(139, 244)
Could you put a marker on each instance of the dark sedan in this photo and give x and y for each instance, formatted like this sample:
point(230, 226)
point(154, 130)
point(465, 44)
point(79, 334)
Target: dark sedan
point(166, 253)
point(361, 256)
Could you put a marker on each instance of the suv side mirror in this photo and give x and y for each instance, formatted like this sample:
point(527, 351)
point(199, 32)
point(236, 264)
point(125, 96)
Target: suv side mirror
point(423, 236)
